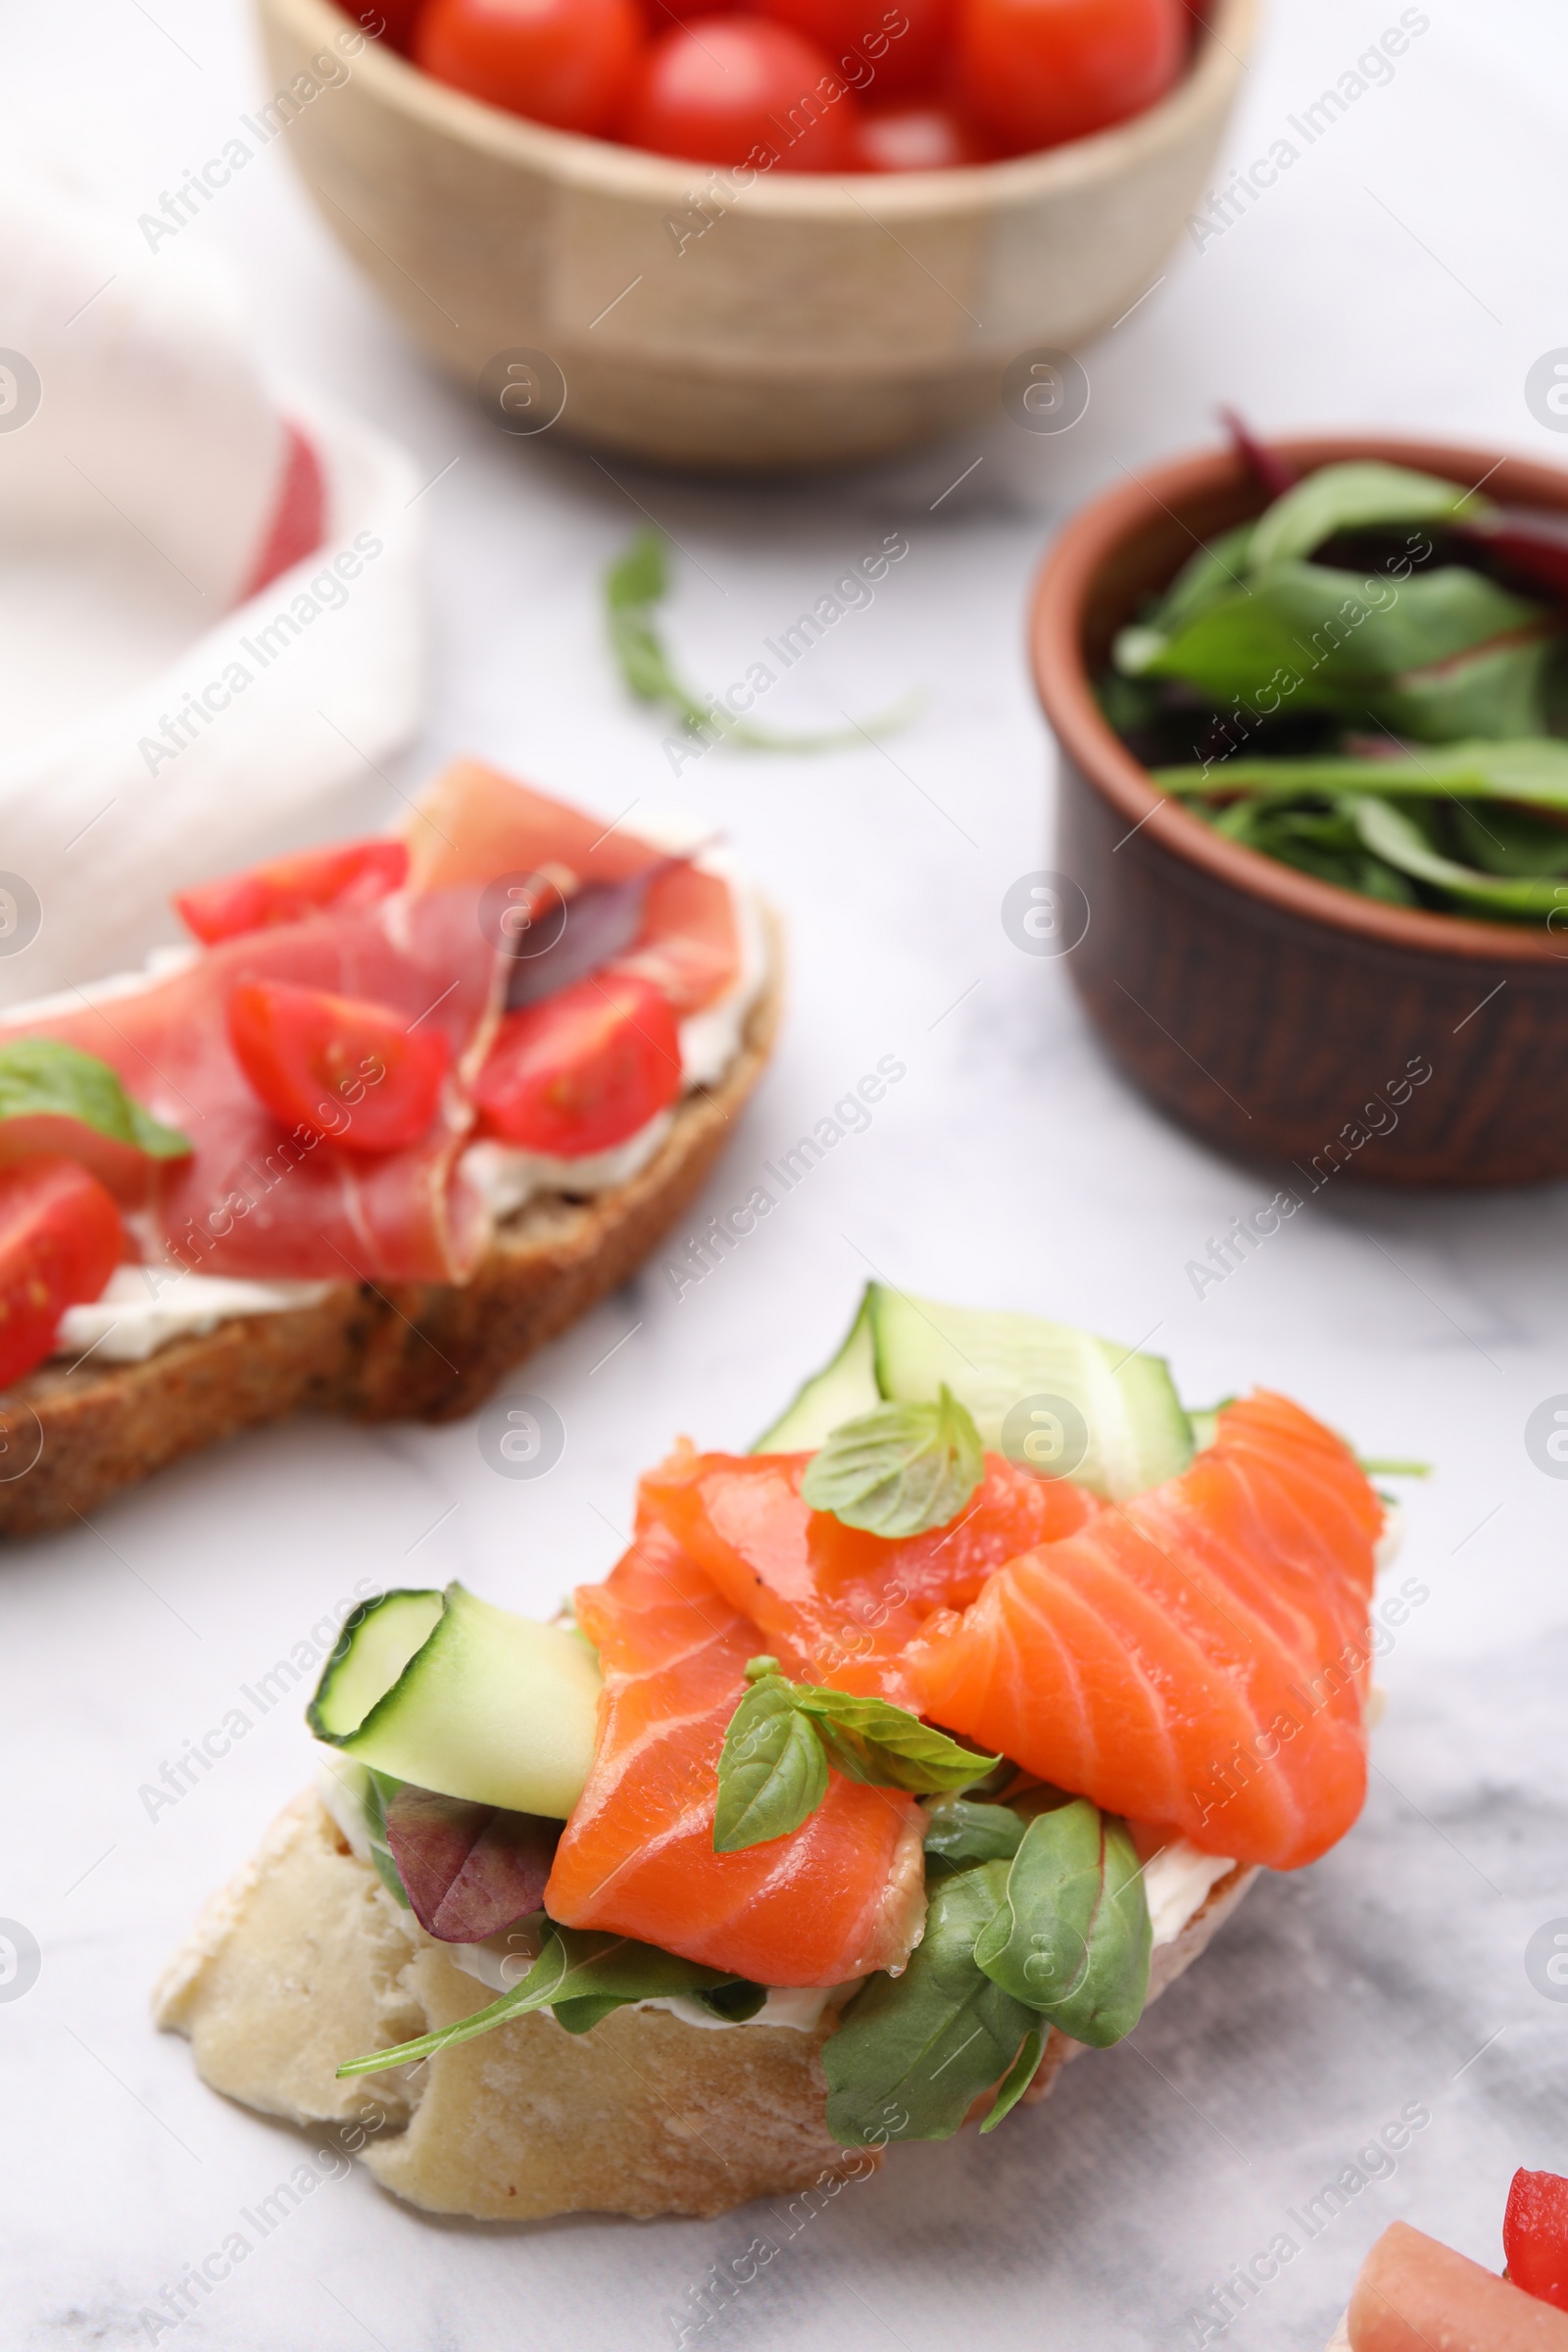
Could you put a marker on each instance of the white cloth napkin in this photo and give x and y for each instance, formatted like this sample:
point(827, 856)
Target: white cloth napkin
point(160, 725)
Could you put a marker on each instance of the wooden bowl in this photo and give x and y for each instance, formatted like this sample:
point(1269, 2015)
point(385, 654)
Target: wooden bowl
point(805, 321)
point(1281, 1017)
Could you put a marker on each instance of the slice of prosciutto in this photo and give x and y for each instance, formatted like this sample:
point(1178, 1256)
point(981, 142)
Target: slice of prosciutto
point(257, 1198)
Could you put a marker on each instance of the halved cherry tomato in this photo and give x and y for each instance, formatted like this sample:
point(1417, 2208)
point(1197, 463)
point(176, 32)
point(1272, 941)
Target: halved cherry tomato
point(896, 44)
point(917, 138)
point(397, 19)
point(584, 1069)
point(740, 89)
point(351, 1071)
point(60, 1240)
point(352, 873)
point(1036, 72)
point(565, 62)
point(1535, 2235)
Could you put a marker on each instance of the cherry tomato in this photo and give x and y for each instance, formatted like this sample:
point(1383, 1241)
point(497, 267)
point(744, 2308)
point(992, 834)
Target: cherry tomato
point(918, 138)
point(584, 1069)
point(896, 44)
point(1036, 72)
point(739, 89)
point(565, 62)
point(60, 1241)
point(351, 1072)
point(353, 873)
point(1535, 2235)
point(389, 21)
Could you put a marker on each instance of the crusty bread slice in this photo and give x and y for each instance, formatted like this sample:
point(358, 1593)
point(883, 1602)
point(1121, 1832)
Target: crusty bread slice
point(427, 1351)
point(307, 1959)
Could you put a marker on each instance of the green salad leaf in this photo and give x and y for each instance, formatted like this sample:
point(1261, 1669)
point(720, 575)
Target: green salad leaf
point(582, 1973)
point(1340, 635)
point(1071, 1936)
point(635, 586)
point(773, 1766)
point(1017, 2079)
point(1359, 496)
point(1391, 834)
point(962, 1832)
point(898, 1469)
point(1530, 771)
point(42, 1078)
point(927, 2043)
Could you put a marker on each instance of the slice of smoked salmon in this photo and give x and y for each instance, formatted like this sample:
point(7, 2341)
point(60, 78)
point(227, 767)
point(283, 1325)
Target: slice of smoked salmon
point(1197, 1656)
point(838, 1605)
point(1416, 2295)
point(841, 1897)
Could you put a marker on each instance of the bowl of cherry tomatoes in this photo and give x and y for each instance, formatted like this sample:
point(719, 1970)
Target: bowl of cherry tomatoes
point(795, 234)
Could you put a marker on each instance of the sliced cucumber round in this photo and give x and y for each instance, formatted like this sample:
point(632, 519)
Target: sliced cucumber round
point(465, 1699)
point(1124, 1429)
point(841, 1392)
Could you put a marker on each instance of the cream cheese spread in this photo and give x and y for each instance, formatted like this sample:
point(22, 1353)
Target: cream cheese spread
point(145, 1307)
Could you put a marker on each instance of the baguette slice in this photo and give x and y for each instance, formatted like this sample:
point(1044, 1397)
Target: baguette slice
point(305, 1959)
point(416, 1350)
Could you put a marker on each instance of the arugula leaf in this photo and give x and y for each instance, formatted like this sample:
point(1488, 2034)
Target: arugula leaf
point(1204, 580)
point(773, 1767)
point(636, 583)
point(1017, 2079)
point(898, 1469)
point(1071, 1936)
point(41, 1078)
point(772, 1771)
point(929, 2042)
point(962, 1832)
point(1361, 495)
point(582, 1971)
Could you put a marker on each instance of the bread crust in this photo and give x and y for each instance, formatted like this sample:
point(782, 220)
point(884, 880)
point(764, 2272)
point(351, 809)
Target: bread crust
point(307, 1957)
point(414, 1350)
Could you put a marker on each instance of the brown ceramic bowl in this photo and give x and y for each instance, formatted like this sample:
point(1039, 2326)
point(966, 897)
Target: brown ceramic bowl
point(1278, 1016)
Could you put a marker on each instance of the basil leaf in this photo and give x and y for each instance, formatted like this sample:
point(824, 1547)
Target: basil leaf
point(962, 1833)
point(41, 1078)
point(1071, 1936)
point(584, 1971)
point(872, 1740)
point(925, 2044)
point(1362, 495)
point(1391, 834)
point(900, 1469)
point(1017, 2079)
point(772, 1772)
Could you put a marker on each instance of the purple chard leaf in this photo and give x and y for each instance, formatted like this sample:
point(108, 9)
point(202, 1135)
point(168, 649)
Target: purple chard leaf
point(602, 920)
point(469, 1870)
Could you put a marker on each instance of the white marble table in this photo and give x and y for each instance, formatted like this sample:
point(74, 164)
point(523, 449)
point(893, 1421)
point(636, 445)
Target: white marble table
point(1408, 270)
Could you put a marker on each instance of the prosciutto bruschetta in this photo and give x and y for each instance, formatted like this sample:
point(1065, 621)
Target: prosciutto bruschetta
point(403, 1109)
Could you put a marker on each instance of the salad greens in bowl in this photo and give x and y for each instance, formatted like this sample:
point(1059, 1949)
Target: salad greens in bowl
point(1368, 681)
point(1310, 703)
